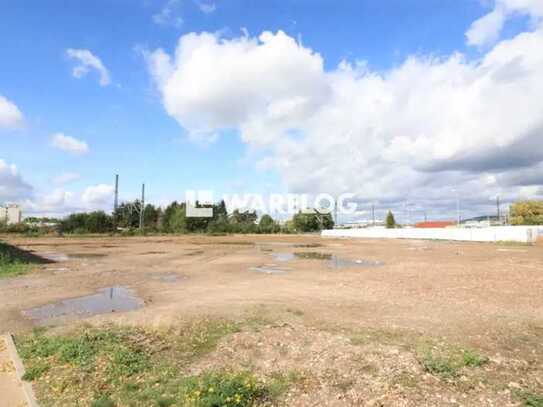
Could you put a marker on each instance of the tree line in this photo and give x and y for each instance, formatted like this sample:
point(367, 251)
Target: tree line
point(173, 219)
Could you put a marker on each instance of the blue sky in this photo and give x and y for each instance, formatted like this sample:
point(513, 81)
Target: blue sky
point(128, 127)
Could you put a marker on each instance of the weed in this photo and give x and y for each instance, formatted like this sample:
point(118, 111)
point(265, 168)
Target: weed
point(471, 358)
point(223, 389)
point(530, 399)
point(313, 255)
point(103, 401)
point(440, 366)
point(35, 372)
point(127, 362)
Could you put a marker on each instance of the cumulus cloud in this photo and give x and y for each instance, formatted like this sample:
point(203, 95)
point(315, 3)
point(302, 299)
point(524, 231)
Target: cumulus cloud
point(169, 14)
point(418, 131)
point(10, 115)
point(486, 30)
point(69, 144)
point(87, 61)
point(12, 185)
point(66, 178)
point(206, 7)
point(97, 195)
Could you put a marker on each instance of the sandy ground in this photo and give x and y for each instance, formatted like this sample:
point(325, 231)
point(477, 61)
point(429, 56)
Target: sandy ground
point(483, 295)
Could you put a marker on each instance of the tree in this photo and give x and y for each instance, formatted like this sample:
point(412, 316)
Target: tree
point(268, 225)
point(390, 221)
point(527, 213)
point(312, 222)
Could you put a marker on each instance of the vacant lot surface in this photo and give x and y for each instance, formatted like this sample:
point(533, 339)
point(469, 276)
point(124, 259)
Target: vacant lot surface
point(381, 322)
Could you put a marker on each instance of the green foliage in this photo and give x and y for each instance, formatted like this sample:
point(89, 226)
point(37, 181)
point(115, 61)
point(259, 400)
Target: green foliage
point(35, 372)
point(449, 364)
point(103, 401)
point(127, 362)
point(390, 221)
point(268, 225)
point(223, 389)
point(527, 213)
point(440, 366)
point(530, 399)
point(14, 261)
point(312, 222)
point(473, 359)
point(92, 222)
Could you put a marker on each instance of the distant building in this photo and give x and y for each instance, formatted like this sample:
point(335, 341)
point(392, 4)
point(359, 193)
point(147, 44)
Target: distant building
point(483, 221)
point(10, 214)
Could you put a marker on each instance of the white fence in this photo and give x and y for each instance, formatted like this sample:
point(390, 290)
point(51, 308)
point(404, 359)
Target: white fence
point(524, 234)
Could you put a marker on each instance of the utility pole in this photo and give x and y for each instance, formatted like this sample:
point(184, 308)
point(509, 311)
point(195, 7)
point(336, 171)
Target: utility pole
point(335, 214)
point(498, 208)
point(116, 202)
point(142, 205)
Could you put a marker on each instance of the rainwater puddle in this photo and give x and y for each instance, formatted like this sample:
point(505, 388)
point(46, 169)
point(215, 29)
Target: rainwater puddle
point(106, 300)
point(56, 257)
point(336, 262)
point(283, 256)
point(268, 270)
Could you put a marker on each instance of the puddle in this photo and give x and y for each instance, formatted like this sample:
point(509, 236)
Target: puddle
point(56, 257)
point(268, 270)
point(336, 262)
point(283, 256)
point(106, 300)
point(339, 263)
point(313, 255)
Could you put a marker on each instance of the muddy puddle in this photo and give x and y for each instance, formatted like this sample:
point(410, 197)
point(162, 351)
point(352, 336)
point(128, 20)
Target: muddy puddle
point(334, 261)
point(271, 269)
point(106, 300)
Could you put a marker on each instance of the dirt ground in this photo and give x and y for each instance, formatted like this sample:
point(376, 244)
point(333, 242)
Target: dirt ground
point(478, 295)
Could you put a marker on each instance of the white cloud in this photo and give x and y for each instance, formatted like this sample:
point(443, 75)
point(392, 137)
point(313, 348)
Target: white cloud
point(87, 61)
point(487, 29)
point(168, 14)
point(98, 195)
point(69, 144)
point(205, 7)
point(66, 178)
point(12, 185)
point(10, 115)
point(418, 130)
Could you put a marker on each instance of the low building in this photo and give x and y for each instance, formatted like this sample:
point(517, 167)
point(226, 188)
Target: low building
point(11, 214)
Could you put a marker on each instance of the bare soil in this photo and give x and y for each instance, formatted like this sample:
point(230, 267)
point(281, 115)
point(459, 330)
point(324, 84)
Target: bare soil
point(359, 333)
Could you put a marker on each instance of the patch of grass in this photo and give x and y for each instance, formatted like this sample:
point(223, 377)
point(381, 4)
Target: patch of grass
point(223, 389)
point(114, 366)
point(529, 399)
point(440, 366)
point(199, 338)
point(15, 262)
point(103, 401)
point(35, 372)
point(448, 364)
point(471, 358)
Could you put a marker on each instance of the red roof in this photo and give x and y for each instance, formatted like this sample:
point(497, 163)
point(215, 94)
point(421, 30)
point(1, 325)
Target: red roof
point(435, 224)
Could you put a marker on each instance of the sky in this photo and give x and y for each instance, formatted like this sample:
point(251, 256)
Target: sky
point(410, 105)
